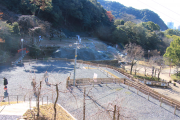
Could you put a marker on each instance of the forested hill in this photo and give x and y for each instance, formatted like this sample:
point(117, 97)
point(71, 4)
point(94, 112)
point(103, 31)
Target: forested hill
point(121, 11)
point(75, 15)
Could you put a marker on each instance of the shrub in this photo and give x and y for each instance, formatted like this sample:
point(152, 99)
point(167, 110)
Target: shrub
point(34, 51)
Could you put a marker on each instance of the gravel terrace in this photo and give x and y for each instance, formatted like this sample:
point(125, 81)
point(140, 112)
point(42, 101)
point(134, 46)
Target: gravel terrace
point(100, 97)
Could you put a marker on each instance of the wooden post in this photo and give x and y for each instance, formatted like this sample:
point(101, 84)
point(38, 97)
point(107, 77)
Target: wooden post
point(30, 103)
point(107, 74)
point(161, 102)
point(24, 98)
point(148, 95)
point(114, 113)
point(47, 100)
point(137, 90)
point(175, 110)
point(8, 100)
point(84, 104)
point(17, 98)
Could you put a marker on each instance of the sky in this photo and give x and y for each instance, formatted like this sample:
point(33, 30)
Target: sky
point(168, 10)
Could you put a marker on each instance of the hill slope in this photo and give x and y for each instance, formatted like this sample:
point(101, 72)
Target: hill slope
point(145, 15)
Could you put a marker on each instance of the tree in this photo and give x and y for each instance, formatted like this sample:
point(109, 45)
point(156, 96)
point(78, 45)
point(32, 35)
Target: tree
point(151, 26)
point(110, 16)
point(118, 22)
point(134, 53)
point(173, 51)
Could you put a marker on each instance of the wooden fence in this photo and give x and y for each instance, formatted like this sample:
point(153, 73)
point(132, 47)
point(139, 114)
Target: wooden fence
point(139, 86)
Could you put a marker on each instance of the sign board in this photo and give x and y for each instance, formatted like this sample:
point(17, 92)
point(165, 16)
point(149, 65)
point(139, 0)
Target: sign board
point(95, 77)
point(163, 84)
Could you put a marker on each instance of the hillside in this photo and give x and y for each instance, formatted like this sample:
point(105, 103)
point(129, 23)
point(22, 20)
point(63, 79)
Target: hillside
point(120, 11)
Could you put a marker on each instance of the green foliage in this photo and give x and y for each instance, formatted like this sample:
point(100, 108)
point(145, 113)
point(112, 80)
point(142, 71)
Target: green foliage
point(172, 32)
point(34, 51)
point(11, 42)
point(68, 13)
point(118, 22)
point(176, 77)
point(151, 26)
point(146, 78)
point(173, 51)
point(137, 33)
point(120, 11)
point(16, 29)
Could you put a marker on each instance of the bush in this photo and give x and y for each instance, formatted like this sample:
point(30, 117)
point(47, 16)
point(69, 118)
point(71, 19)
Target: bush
point(174, 84)
point(34, 51)
point(147, 78)
point(15, 27)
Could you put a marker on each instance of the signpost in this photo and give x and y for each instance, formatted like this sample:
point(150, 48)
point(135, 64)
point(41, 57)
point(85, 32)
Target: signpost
point(75, 63)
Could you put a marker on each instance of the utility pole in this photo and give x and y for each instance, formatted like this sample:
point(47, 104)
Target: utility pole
point(75, 63)
point(22, 48)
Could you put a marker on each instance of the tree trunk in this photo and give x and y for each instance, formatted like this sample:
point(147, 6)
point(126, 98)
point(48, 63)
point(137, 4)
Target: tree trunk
point(131, 67)
point(114, 113)
point(155, 73)
point(152, 71)
point(39, 90)
point(57, 91)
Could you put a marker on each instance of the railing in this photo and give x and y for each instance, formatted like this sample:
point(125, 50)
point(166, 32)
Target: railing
point(132, 83)
point(22, 98)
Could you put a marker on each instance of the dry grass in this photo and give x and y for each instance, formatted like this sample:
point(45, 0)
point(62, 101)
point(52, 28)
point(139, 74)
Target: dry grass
point(47, 113)
point(143, 63)
point(6, 103)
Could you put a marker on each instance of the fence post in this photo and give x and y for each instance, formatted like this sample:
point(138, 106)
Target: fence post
point(47, 100)
point(137, 90)
point(128, 86)
point(8, 100)
point(30, 103)
point(161, 102)
point(175, 110)
point(107, 74)
point(17, 98)
point(148, 95)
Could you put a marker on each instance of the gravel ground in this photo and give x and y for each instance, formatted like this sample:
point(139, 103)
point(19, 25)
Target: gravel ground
point(9, 117)
point(101, 97)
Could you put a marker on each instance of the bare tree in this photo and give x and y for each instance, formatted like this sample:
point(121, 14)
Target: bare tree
point(157, 62)
point(134, 52)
